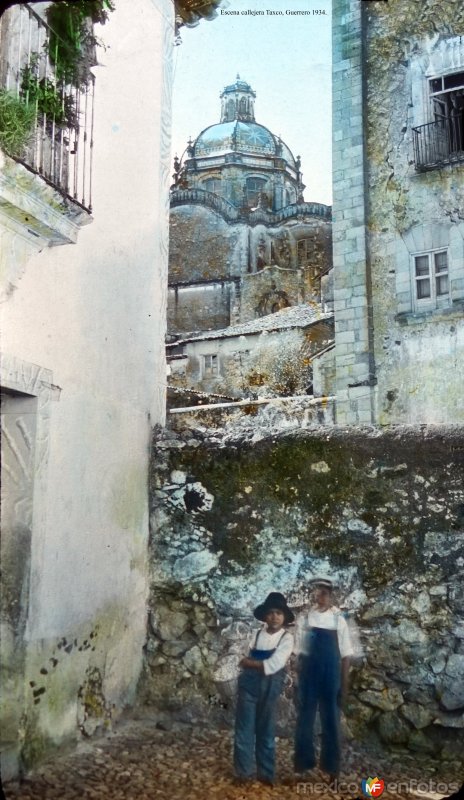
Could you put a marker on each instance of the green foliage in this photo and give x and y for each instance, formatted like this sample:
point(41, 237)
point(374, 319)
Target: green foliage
point(71, 50)
point(47, 97)
point(72, 43)
point(17, 120)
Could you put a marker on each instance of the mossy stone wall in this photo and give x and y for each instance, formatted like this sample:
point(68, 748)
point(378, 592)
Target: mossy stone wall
point(382, 512)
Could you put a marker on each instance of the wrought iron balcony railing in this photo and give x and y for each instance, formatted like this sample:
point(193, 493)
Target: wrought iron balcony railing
point(439, 143)
point(59, 144)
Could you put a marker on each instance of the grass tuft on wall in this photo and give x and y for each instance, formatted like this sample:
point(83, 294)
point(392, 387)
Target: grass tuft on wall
point(17, 123)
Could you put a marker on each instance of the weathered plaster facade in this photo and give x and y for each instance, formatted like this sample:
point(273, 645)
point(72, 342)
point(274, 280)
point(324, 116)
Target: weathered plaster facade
point(398, 175)
point(83, 369)
point(270, 356)
point(253, 508)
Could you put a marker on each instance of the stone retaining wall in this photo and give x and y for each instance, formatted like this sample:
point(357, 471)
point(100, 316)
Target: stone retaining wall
point(236, 515)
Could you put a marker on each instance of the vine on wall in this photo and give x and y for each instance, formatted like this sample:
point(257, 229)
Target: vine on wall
point(71, 51)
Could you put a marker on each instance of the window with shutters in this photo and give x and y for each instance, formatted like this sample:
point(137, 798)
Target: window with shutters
point(430, 280)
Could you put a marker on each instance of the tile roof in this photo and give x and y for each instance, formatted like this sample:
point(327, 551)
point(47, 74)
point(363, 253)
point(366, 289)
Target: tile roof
point(301, 316)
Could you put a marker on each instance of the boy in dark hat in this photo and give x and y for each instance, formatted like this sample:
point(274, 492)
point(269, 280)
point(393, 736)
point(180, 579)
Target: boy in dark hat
point(259, 686)
point(324, 647)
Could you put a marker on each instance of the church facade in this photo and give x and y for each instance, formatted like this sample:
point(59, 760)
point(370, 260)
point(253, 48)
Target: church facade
point(243, 241)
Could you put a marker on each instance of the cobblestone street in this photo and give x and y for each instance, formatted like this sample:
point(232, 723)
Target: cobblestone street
point(140, 761)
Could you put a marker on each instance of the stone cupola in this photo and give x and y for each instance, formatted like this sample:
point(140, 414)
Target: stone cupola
point(237, 102)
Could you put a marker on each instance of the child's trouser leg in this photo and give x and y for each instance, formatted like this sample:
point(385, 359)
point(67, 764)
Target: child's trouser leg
point(266, 716)
point(320, 674)
point(305, 756)
point(330, 724)
point(245, 725)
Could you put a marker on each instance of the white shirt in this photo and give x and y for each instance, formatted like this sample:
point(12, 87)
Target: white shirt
point(333, 620)
point(281, 640)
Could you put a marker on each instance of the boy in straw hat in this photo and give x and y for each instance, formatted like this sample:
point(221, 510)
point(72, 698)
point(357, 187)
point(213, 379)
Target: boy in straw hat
point(324, 647)
point(259, 686)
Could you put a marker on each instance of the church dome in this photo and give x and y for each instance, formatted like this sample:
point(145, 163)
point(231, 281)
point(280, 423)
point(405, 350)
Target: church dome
point(238, 131)
point(242, 137)
point(239, 160)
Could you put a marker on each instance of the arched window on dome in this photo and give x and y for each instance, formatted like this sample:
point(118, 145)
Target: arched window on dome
point(243, 107)
point(254, 187)
point(230, 110)
point(213, 185)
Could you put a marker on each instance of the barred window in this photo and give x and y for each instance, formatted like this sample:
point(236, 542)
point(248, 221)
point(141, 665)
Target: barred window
point(441, 140)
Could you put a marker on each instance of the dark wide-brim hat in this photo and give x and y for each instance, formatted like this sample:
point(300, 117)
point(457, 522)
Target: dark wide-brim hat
point(274, 600)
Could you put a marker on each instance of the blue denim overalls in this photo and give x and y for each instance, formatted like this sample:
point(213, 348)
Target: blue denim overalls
point(319, 686)
point(256, 718)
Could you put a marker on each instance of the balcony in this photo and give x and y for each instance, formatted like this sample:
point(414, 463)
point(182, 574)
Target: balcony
point(46, 114)
point(439, 143)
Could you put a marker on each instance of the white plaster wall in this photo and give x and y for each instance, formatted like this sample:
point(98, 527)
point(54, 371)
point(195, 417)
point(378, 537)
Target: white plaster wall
point(435, 349)
point(94, 314)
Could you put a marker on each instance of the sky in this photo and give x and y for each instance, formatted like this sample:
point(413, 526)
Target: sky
point(287, 61)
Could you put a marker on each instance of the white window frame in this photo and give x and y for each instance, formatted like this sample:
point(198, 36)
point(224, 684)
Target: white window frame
point(452, 121)
point(210, 365)
point(440, 92)
point(436, 299)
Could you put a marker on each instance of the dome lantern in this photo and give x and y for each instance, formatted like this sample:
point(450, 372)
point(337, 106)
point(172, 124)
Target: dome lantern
point(237, 102)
